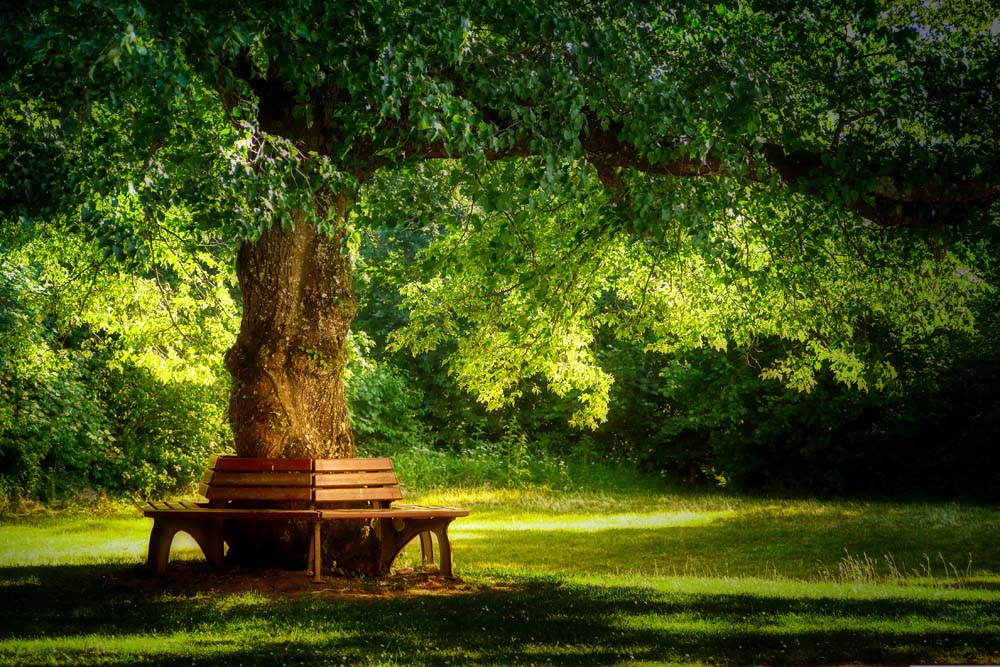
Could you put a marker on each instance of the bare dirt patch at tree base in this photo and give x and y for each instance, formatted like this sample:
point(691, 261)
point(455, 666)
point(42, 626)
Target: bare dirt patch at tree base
point(187, 578)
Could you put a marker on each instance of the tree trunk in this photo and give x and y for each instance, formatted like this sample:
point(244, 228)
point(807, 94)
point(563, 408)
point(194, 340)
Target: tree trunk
point(288, 365)
point(289, 358)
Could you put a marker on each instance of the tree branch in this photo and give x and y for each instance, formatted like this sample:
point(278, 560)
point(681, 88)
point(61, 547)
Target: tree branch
point(893, 202)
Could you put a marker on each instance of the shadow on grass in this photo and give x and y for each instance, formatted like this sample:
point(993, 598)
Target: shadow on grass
point(113, 615)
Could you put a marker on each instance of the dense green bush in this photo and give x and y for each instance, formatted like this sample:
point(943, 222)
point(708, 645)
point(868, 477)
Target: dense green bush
point(51, 425)
point(708, 417)
point(78, 412)
point(53, 429)
point(386, 408)
point(121, 432)
point(164, 431)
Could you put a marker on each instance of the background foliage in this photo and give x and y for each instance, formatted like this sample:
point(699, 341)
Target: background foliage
point(114, 383)
point(519, 316)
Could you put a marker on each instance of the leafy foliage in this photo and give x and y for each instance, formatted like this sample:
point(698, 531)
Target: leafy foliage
point(756, 197)
point(521, 283)
point(111, 380)
point(386, 409)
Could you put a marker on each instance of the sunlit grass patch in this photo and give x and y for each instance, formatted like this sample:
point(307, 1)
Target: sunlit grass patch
point(788, 589)
point(82, 541)
point(562, 578)
point(95, 648)
point(548, 500)
point(69, 541)
point(587, 523)
point(720, 536)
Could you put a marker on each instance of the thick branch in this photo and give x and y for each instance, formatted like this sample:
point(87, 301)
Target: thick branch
point(894, 202)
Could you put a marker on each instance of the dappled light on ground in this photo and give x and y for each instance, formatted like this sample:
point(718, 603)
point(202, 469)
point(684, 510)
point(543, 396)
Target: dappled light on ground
point(592, 523)
point(118, 615)
point(560, 579)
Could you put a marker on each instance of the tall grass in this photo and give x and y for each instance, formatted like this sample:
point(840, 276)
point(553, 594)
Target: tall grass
point(512, 464)
point(852, 568)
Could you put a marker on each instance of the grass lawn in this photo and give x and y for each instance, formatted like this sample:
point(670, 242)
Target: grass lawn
point(561, 579)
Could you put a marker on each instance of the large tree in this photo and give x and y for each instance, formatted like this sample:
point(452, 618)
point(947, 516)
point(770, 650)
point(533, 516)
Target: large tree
point(681, 173)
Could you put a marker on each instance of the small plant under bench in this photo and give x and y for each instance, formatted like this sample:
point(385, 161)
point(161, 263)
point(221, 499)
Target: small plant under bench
point(328, 489)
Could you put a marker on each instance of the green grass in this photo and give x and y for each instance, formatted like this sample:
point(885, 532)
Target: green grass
point(560, 578)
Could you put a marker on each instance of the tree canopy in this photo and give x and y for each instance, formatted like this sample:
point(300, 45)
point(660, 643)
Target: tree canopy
point(675, 175)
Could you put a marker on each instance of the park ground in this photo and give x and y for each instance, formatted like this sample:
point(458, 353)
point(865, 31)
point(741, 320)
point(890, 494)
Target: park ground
point(545, 578)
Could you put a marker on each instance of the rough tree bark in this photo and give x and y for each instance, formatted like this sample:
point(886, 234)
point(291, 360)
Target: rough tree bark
point(289, 358)
point(288, 365)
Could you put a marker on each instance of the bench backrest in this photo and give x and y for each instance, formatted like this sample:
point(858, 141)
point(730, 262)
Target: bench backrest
point(315, 481)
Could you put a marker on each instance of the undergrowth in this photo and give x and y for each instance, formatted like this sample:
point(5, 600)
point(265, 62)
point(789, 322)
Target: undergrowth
point(512, 465)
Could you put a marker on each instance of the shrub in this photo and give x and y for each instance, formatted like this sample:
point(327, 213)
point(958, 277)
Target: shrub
point(77, 412)
point(386, 408)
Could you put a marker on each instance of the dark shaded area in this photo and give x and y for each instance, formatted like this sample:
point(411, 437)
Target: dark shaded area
point(932, 436)
point(531, 620)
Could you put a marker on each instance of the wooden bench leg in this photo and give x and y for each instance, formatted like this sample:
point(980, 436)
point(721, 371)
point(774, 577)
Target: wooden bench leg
point(207, 533)
point(159, 546)
point(315, 552)
point(427, 547)
point(444, 567)
point(212, 543)
point(397, 533)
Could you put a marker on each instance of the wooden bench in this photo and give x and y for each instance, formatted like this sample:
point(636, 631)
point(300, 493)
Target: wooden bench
point(322, 489)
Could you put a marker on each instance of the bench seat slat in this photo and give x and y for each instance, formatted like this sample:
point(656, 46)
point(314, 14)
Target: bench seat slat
point(231, 513)
point(236, 464)
point(258, 493)
point(352, 465)
point(398, 512)
point(276, 479)
point(348, 479)
point(395, 512)
point(436, 510)
point(387, 493)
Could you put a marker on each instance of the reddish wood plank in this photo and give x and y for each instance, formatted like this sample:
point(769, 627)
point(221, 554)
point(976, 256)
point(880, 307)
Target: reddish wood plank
point(262, 478)
point(237, 464)
point(344, 495)
point(347, 479)
point(397, 512)
point(233, 513)
point(372, 465)
point(434, 510)
point(259, 493)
